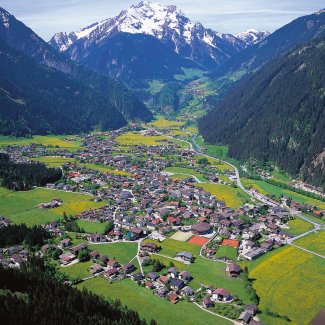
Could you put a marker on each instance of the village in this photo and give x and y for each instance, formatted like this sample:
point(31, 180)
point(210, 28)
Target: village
point(144, 204)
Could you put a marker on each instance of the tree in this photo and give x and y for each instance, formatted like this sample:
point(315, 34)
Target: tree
point(83, 255)
point(109, 227)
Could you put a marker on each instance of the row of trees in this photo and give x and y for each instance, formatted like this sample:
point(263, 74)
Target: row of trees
point(24, 176)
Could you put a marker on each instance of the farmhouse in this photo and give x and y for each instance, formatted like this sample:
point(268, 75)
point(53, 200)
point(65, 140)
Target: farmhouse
point(220, 294)
point(201, 228)
point(232, 270)
point(148, 247)
point(185, 256)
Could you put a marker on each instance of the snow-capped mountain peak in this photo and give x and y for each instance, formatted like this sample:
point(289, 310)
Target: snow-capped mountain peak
point(253, 36)
point(167, 24)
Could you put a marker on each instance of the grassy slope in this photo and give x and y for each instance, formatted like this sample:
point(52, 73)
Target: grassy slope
point(150, 306)
point(234, 197)
point(187, 171)
point(289, 282)
point(123, 252)
point(298, 226)
point(314, 242)
point(20, 206)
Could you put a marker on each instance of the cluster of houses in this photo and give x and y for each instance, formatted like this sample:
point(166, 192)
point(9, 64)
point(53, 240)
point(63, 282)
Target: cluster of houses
point(13, 256)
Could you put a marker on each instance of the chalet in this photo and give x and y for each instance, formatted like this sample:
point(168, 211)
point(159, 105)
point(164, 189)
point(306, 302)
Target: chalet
point(148, 247)
point(187, 291)
point(103, 260)
point(174, 221)
point(163, 279)
point(128, 268)
point(220, 294)
point(185, 256)
point(201, 228)
point(65, 243)
point(113, 264)
point(172, 272)
point(161, 292)
point(206, 302)
point(137, 276)
point(111, 273)
point(185, 276)
point(149, 285)
point(233, 270)
point(266, 247)
point(176, 284)
point(78, 248)
point(245, 317)
point(137, 232)
point(152, 276)
point(95, 269)
point(253, 254)
point(173, 298)
point(94, 255)
point(96, 238)
point(67, 258)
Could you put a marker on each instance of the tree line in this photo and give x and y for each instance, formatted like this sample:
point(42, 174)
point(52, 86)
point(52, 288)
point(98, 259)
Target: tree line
point(23, 176)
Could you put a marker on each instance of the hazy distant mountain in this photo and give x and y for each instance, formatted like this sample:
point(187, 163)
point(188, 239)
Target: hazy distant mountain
point(253, 36)
point(113, 93)
point(277, 114)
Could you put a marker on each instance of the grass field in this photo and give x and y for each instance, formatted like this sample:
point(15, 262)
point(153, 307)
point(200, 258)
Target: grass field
point(298, 226)
point(314, 242)
point(79, 270)
point(20, 206)
point(227, 251)
point(209, 272)
point(123, 252)
point(166, 261)
point(48, 141)
point(163, 123)
point(234, 197)
point(289, 282)
point(266, 188)
point(170, 247)
point(150, 306)
point(52, 161)
point(132, 138)
point(92, 227)
point(185, 171)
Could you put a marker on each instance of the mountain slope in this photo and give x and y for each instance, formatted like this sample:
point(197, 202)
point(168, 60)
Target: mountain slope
point(128, 56)
point(299, 31)
point(166, 24)
point(24, 40)
point(277, 114)
point(35, 99)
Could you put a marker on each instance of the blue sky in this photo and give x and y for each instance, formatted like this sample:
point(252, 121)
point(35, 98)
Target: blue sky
point(47, 17)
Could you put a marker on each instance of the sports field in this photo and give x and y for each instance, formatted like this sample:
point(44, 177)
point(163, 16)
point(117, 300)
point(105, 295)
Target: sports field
point(198, 240)
point(182, 236)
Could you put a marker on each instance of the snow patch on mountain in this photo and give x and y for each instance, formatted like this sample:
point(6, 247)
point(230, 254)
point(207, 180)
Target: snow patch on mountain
point(253, 36)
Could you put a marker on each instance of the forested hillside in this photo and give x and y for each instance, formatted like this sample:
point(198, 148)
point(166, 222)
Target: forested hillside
point(277, 114)
point(68, 78)
point(35, 99)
